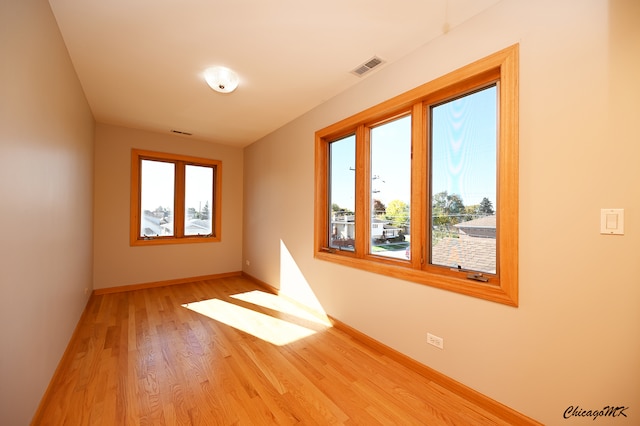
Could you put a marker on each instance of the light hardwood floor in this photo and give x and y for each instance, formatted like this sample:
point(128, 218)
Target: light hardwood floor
point(227, 352)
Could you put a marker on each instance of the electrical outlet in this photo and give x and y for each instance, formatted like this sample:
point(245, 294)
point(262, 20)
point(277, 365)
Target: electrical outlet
point(436, 341)
point(247, 262)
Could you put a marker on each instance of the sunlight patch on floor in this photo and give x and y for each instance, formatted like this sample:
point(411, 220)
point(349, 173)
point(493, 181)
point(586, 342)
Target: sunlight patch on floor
point(276, 303)
point(262, 326)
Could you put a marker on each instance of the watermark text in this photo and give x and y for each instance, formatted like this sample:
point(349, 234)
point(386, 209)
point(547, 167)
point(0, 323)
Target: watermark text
point(608, 411)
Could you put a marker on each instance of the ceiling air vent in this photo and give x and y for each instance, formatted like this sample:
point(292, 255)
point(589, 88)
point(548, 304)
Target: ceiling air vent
point(367, 66)
point(180, 132)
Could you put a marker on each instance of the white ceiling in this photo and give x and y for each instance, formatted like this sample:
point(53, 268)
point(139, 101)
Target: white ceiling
point(140, 62)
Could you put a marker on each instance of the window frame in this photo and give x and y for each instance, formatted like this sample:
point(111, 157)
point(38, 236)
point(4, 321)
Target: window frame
point(502, 287)
point(180, 161)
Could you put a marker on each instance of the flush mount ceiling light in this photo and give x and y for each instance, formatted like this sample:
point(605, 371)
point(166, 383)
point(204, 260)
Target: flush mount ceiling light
point(221, 79)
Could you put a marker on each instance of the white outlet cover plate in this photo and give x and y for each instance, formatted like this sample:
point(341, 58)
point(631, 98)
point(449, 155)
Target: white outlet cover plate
point(436, 341)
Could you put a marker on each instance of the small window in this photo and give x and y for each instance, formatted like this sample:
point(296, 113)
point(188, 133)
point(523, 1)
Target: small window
point(198, 199)
point(174, 198)
point(424, 187)
point(342, 156)
point(390, 189)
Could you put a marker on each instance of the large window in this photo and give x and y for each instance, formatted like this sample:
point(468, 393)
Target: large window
point(174, 198)
point(424, 187)
point(463, 181)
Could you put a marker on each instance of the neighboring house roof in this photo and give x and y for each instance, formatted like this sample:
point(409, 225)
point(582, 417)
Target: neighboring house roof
point(476, 254)
point(482, 222)
point(483, 227)
point(199, 224)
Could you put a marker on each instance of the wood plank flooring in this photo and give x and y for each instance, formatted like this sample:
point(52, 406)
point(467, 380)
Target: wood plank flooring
point(227, 352)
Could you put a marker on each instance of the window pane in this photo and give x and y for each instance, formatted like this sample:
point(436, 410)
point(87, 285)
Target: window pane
point(391, 188)
point(342, 192)
point(156, 198)
point(198, 200)
point(463, 182)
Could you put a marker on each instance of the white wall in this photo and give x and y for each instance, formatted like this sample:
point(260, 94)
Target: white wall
point(574, 339)
point(116, 263)
point(46, 179)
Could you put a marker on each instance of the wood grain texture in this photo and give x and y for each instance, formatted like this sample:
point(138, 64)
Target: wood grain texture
point(201, 354)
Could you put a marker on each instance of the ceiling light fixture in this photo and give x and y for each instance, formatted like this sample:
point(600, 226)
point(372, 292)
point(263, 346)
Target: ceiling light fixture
point(221, 79)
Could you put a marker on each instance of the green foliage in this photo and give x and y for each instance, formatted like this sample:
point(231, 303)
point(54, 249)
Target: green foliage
point(204, 214)
point(448, 209)
point(486, 208)
point(472, 211)
point(337, 209)
point(397, 212)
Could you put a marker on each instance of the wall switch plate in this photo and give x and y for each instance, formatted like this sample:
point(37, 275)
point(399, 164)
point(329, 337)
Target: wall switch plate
point(612, 221)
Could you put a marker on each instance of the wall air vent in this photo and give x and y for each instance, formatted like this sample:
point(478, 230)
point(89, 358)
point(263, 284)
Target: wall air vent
point(180, 132)
point(367, 66)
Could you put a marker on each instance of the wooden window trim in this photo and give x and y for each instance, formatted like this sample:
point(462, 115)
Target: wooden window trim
point(137, 155)
point(501, 67)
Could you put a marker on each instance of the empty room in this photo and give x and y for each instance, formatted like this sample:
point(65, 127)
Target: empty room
point(339, 212)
